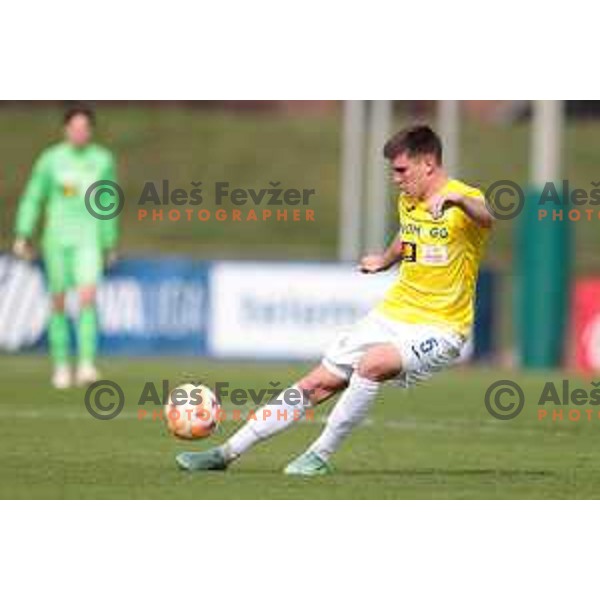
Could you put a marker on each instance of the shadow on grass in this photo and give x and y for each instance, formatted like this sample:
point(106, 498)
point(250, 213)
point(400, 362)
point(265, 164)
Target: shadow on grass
point(403, 473)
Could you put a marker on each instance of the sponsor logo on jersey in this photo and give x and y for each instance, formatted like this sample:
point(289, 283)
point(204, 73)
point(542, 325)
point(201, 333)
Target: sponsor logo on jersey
point(434, 255)
point(409, 252)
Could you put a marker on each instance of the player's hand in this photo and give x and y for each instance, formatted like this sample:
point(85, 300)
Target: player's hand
point(23, 249)
point(437, 204)
point(110, 258)
point(372, 263)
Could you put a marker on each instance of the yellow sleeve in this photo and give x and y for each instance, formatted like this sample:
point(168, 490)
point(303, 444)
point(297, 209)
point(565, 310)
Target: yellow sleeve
point(469, 192)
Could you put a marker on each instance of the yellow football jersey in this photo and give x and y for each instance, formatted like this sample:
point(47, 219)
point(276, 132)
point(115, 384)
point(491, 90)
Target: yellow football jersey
point(440, 261)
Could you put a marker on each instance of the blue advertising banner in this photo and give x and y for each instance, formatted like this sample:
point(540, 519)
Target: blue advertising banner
point(155, 306)
point(484, 332)
point(145, 306)
point(229, 309)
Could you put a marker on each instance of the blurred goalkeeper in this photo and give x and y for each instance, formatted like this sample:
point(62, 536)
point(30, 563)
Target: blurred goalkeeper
point(75, 245)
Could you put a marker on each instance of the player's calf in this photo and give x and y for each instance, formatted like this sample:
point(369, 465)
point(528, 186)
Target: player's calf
point(87, 336)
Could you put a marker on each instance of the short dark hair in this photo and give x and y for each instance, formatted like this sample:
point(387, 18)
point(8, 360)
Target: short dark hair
point(80, 109)
point(415, 141)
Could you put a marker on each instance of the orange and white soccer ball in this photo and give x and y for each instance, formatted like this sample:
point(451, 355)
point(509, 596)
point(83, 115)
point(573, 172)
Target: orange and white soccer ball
point(191, 411)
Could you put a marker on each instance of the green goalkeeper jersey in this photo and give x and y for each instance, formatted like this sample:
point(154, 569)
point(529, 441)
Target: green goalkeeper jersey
point(60, 178)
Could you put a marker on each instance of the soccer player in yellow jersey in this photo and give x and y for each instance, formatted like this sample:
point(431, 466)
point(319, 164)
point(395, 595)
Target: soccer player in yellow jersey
point(420, 326)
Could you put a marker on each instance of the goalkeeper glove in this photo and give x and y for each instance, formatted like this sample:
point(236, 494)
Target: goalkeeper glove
point(110, 258)
point(23, 249)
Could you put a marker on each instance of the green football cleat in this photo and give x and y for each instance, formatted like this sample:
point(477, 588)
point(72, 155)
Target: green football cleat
point(308, 465)
point(209, 460)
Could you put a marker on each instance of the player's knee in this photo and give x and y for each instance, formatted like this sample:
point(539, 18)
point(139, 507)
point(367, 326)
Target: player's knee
point(380, 363)
point(58, 303)
point(87, 296)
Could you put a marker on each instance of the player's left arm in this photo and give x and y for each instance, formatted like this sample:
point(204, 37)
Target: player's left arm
point(473, 205)
point(110, 227)
point(476, 209)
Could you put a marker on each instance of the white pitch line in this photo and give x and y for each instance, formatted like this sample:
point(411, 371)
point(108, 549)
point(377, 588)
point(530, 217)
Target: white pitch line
point(408, 424)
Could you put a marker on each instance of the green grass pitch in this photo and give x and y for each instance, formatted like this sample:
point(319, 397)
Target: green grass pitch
point(436, 441)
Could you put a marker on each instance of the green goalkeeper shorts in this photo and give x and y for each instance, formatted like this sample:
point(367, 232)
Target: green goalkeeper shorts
point(72, 267)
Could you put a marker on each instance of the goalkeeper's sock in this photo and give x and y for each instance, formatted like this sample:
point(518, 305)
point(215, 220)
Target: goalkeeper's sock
point(350, 410)
point(273, 417)
point(87, 335)
point(58, 338)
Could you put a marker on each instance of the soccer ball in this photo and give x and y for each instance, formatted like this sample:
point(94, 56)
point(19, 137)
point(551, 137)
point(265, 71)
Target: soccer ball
point(191, 411)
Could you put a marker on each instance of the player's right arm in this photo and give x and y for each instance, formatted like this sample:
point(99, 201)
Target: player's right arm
point(375, 263)
point(30, 205)
point(109, 228)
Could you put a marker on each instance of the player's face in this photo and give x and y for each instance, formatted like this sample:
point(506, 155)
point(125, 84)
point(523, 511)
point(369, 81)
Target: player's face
point(411, 175)
point(79, 130)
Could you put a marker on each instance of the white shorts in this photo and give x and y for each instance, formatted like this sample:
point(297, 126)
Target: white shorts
point(424, 349)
